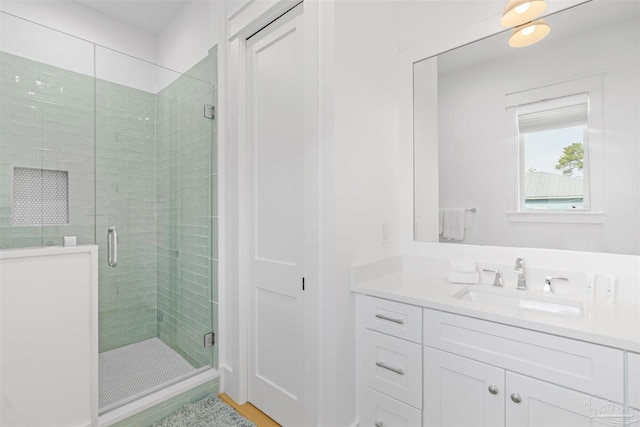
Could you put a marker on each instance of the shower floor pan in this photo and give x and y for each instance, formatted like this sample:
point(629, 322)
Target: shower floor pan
point(135, 370)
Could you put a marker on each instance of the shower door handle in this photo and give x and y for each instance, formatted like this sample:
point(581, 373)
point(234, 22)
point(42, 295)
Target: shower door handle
point(112, 246)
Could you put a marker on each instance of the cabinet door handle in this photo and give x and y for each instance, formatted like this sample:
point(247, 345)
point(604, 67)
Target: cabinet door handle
point(516, 398)
point(389, 368)
point(379, 424)
point(493, 389)
point(390, 319)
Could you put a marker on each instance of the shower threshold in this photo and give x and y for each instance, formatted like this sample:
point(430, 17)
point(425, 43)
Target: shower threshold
point(137, 370)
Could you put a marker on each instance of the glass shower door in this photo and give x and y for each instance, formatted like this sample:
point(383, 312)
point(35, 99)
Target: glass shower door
point(155, 189)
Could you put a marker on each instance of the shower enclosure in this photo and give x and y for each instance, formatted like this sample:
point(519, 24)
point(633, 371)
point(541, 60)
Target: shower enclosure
point(121, 153)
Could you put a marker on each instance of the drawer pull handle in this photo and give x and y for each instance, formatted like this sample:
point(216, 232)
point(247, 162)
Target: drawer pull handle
point(379, 424)
point(390, 319)
point(389, 368)
point(516, 398)
point(493, 389)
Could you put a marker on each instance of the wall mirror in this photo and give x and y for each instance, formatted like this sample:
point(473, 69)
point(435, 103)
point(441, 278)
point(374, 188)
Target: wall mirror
point(535, 146)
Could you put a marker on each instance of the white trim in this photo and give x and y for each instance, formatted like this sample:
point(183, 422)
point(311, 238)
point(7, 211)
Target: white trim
point(312, 206)
point(553, 90)
point(252, 15)
point(562, 217)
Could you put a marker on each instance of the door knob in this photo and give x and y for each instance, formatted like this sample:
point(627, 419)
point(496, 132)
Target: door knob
point(516, 398)
point(493, 389)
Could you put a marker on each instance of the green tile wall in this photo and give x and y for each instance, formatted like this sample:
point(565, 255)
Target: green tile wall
point(186, 176)
point(46, 121)
point(125, 198)
point(143, 162)
point(164, 409)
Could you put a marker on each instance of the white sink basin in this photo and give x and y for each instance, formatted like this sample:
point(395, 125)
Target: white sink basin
point(521, 300)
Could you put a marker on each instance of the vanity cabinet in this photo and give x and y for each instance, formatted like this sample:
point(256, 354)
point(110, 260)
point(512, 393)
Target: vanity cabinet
point(491, 396)
point(510, 376)
point(420, 366)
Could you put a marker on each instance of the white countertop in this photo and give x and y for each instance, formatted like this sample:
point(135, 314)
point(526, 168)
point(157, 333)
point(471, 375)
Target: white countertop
point(615, 324)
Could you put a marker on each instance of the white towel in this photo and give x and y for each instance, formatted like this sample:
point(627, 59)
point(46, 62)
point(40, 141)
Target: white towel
point(458, 277)
point(453, 223)
point(462, 265)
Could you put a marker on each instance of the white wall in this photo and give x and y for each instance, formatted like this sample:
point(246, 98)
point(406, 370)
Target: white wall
point(364, 161)
point(184, 41)
point(74, 19)
point(61, 33)
point(187, 38)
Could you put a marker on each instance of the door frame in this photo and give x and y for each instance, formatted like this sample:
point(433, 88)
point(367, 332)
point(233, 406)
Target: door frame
point(248, 18)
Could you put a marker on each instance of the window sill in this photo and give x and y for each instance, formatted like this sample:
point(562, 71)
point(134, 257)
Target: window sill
point(557, 217)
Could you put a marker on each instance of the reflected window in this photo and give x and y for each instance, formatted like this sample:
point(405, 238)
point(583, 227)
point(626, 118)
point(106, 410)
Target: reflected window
point(553, 154)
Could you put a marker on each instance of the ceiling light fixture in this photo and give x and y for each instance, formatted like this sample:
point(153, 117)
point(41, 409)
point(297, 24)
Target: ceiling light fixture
point(519, 12)
point(529, 33)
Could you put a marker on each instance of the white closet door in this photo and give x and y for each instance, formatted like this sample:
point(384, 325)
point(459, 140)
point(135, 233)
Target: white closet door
point(275, 228)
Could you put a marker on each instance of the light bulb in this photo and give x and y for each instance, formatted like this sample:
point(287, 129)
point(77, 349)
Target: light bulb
point(523, 7)
point(527, 31)
point(519, 12)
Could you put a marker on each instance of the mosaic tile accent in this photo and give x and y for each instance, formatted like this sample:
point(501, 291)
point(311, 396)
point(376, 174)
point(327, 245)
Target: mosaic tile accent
point(40, 196)
point(136, 368)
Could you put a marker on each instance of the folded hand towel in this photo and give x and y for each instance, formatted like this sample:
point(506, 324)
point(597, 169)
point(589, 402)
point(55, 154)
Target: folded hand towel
point(462, 265)
point(453, 223)
point(458, 277)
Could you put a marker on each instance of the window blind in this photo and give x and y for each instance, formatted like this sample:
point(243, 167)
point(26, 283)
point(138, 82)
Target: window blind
point(555, 118)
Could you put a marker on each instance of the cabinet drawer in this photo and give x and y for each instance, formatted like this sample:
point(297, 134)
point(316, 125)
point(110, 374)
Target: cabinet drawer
point(590, 368)
point(393, 366)
point(378, 410)
point(633, 376)
point(393, 318)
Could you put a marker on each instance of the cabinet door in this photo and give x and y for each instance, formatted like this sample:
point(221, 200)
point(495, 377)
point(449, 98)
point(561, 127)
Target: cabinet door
point(532, 402)
point(633, 380)
point(461, 392)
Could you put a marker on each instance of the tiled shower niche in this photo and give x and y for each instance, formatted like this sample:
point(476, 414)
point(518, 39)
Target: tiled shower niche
point(40, 196)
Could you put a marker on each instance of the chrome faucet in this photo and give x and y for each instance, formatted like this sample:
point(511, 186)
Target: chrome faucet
point(497, 280)
point(547, 284)
point(522, 281)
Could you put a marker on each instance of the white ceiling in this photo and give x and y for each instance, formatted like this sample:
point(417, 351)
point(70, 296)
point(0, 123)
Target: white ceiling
point(148, 15)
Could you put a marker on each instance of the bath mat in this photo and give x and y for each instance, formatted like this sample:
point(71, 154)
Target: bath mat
point(209, 412)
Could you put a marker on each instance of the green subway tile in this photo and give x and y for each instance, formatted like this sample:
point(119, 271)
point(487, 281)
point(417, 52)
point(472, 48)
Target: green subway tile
point(153, 179)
